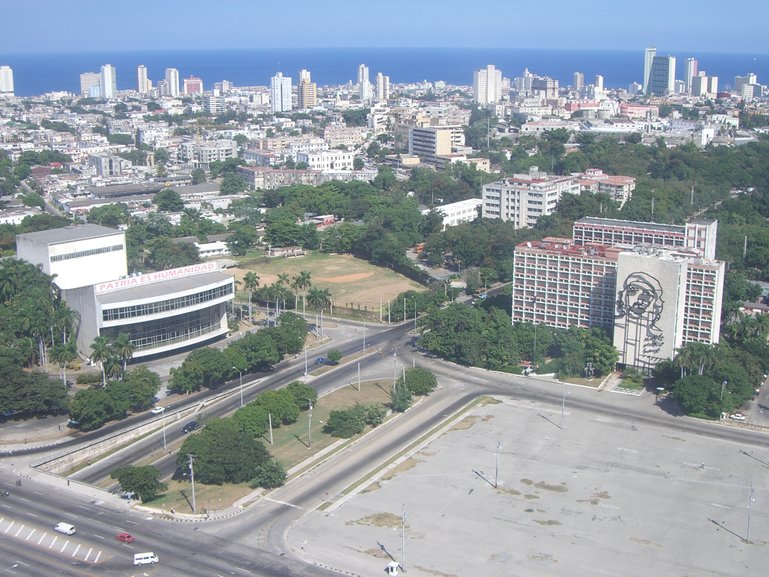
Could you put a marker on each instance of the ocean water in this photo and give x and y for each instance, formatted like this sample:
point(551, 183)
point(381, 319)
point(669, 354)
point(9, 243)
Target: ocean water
point(36, 74)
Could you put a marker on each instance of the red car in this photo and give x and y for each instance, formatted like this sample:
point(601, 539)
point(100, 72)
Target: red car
point(125, 537)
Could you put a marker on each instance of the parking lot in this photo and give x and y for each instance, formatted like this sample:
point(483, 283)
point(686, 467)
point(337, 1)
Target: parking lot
point(589, 495)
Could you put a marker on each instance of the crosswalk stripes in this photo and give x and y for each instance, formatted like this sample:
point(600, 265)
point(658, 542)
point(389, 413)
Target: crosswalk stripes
point(63, 546)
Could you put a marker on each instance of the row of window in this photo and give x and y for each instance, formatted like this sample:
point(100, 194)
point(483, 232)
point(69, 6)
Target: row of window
point(169, 330)
point(178, 303)
point(83, 253)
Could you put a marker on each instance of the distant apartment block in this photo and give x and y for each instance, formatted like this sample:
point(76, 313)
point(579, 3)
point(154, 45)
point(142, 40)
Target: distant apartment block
point(201, 154)
point(193, 85)
point(327, 159)
point(90, 84)
point(487, 85)
point(430, 143)
point(619, 188)
point(307, 91)
point(171, 86)
point(458, 212)
point(663, 76)
point(6, 80)
point(523, 198)
point(280, 93)
point(143, 84)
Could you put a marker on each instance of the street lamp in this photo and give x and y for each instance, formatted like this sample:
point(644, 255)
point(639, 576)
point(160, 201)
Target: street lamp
point(415, 312)
point(309, 425)
point(240, 376)
point(364, 332)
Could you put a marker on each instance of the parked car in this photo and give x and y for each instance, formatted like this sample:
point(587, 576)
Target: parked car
point(739, 417)
point(157, 410)
point(125, 537)
point(189, 427)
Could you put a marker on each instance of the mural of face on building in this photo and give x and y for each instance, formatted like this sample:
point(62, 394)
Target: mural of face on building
point(640, 301)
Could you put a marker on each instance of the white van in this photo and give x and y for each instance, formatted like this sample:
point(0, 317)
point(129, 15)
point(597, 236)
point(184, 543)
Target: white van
point(145, 558)
point(65, 528)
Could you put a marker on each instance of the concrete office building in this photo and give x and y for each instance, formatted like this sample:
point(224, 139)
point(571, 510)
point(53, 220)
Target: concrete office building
point(364, 85)
point(662, 79)
point(382, 87)
point(654, 297)
point(193, 85)
point(280, 93)
point(430, 143)
point(161, 311)
point(691, 72)
point(487, 85)
point(172, 82)
point(523, 198)
point(6, 80)
point(307, 92)
point(90, 84)
point(108, 81)
point(649, 55)
point(579, 81)
point(143, 84)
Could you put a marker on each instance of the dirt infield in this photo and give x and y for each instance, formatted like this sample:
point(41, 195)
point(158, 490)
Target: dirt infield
point(353, 282)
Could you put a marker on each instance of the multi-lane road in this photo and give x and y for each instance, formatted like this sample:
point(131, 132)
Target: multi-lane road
point(253, 542)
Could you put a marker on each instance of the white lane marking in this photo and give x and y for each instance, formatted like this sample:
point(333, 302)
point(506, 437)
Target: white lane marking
point(88, 555)
point(41, 538)
point(76, 550)
point(55, 538)
point(32, 532)
point(9, 527)
point(64, 546)
point(282, 503)
point(96, 560)
point(31, 514)
point(720, 506)
point(19, 531)
point(98, 536)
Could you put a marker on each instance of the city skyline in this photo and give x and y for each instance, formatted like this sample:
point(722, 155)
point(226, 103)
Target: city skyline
point(699, 27)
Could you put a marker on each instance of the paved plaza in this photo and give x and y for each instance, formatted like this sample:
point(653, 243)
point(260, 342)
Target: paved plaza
point(597, 496)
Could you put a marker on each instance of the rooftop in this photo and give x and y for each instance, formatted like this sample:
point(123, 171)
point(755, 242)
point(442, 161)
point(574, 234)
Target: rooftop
point(70, 233)
point(159, 289)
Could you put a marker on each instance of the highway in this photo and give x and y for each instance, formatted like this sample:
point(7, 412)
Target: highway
point(253, 542)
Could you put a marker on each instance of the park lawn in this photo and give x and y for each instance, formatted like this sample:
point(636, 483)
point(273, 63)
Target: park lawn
point(290, 441)
point(353, 282)
point(178, 496)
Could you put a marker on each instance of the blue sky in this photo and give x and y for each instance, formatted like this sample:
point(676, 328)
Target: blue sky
point(107, 25)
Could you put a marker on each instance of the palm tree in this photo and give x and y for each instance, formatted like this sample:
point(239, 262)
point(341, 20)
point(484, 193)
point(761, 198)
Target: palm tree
point(319, 298)
point(250, 283)
point(124, 349)
point(302, 283)
point(63, 354)
point(100, 352)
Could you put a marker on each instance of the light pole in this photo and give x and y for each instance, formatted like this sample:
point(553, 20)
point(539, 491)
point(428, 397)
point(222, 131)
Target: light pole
point(750, 502)
point(415, 312)
point(305, 360)
point(723, 386)
point(359, 376)
point(364, 332)
point(240, 376)
point(563, 403)
point(309, 426)
point(496, 467)
point(164, 431)
point(403, 538)
point(191, 458)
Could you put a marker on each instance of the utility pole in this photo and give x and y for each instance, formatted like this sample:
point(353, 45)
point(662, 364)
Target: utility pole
point(164, 431)
point(269, 420)
point(359, 376)
point(403, 539)
point(309, 426)
point(563, 403)
point(496, 467)
point(305, 360)
point(750, 502)
point(191, 458)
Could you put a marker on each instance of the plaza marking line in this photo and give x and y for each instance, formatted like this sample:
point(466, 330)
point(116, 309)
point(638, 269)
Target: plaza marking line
point(98, 555)
point(19, 531)
point(64, 546)
point(32, 532)
point(76, 550)
point(55, 538)
point(9, 527)
point(42, 537)
point(88, 555)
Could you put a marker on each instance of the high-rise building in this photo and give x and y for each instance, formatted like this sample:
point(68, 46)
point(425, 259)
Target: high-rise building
point(193, 85)
point(662, 79)
point(487, 85)
point(90, 84)
point(579, 81)
point(746, 86)
point(307, 92)
point(6, 80)
point(649, 55)
point(108, 81)
point(172, 82)
point(656, 293)
point(142, 81)
point(598, 83)
point(691, 72)
point(364, 86)
point(704, 86)
point(382, 87)
point(280, 93)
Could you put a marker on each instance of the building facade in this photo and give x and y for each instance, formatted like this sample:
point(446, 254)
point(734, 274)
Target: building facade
point(193, 85)
point(108, 82)
point(524, 198)
point(487, 85)
point(364, 85)
point(172, 82)
point(6, 80)
point(280, 93)
point(142, 80)
point(307, 92)
point(663, 76)
point(654, 289)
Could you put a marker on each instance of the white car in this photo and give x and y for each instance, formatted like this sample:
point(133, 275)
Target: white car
point(157, 410)
point(738, 417)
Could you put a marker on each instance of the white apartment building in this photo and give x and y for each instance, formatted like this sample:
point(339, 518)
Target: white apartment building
point(280, 93)
point(6, 80)
point(431, 143)
point(108, 82)
point(487, 85)
point(202, 153)
point(523, 198)
point(620, 188)
point(364, 85)
point(382, 87)
point(458, 212)
point(143, 84)
point(172, 87)
point(327, 159)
